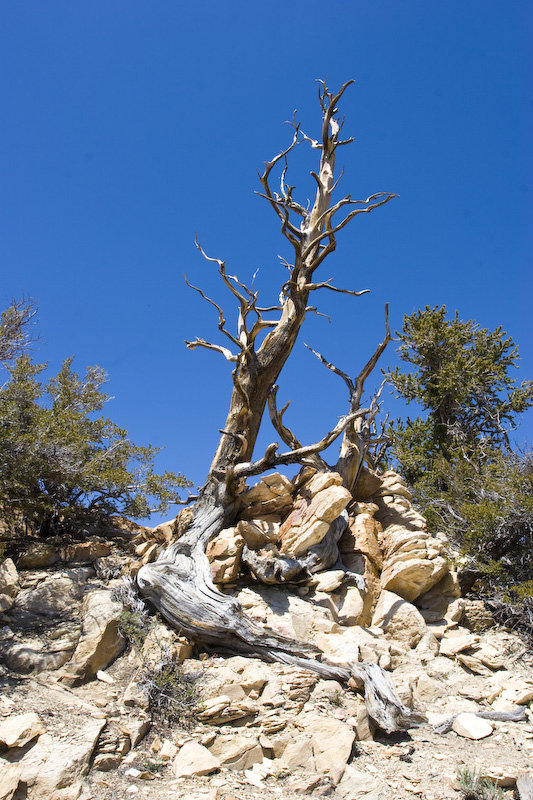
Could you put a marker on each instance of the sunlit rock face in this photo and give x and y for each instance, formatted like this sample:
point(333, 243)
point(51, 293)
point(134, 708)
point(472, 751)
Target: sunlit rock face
point(343, 552)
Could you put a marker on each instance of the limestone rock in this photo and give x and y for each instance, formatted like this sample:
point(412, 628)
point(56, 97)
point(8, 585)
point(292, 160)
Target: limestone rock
point(168, 750)
point(101, 641)
point(364, 534)
point(136, 729)
point(324, 747)
point(51, 765)
point(135, 695)
point(414, 561)
point(163, 644)
point(410, 577)
point(85, 552)
point(359, 784)
point(327, 581)
point(476, 617)
point(55, 594)
point(471, 727)
point(224, 553)
point(355, 644)
point(237, 752)
point(9, 779)
point(9, 584)
point(259, 532)
point(19, 729)
point(394, 485)
point(349, 604)
point(451, 644)
point(194, 759)
point(399, 620)
point(272, 495)
point(368, 483)
point(310, 519)
point(285, 612)
point(35, 652)
point(440, 601)
point(39, 555)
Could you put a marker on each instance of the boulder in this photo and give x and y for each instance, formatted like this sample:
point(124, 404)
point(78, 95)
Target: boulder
point(224, 554)
point(9, 584)
point(368, 483)
point(324, 746)
point(194, 759)
point(19, 729)
point(272, 495)
point(54, 595)
point(349, 603)
point(359, 784)
point(237, 752)
point(259, 532)
point(85, 552)
point(9, 779)
point(51, 766)
point(100, 642)
point(364, 534)
point(311, 517)
point(39, 651)
point(399, 620)
point(38, 556)
point(471, 727)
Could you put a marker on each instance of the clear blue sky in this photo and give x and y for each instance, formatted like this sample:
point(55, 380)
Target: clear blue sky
point(127, 126)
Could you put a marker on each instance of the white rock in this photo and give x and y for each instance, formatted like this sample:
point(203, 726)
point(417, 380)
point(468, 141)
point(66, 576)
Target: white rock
point(472, 727)
point(194, 759)
point(101, 641)
point(399, 619)
point(9, 779)
point(9, 584)
point(18, 730)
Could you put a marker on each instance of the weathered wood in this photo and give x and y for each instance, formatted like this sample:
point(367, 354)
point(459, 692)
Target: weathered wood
point(179, 584)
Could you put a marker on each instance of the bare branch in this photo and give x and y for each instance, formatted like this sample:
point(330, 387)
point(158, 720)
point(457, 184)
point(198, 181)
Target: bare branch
point(287, 436)
point(327, 215)
point(221, 320)
point(373, 360)
point(299, 456)
point(276, 417)
point(327, 285)
point(208, 346)
point(333, 368)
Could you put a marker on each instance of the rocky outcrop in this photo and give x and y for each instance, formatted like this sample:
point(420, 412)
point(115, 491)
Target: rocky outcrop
point(360, 579)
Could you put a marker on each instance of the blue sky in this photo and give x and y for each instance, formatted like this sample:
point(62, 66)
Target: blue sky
point(128, 126)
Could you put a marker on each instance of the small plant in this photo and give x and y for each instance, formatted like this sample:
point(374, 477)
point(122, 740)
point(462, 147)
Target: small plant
point(473, 787)
point(172, 694)
point(155, 765)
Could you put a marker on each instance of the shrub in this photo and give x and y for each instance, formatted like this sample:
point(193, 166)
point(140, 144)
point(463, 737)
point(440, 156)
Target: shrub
point(474, 787)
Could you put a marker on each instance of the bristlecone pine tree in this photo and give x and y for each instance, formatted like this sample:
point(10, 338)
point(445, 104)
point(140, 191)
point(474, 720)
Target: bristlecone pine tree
point(179, 584)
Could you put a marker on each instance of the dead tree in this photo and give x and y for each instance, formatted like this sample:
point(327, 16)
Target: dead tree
point(179, 584)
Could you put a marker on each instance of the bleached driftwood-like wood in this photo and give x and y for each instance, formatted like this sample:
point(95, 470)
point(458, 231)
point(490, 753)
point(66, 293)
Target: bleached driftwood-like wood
point(179, 583)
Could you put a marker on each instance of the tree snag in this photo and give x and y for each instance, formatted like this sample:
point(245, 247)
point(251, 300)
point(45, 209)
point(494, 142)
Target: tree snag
point(179, 584)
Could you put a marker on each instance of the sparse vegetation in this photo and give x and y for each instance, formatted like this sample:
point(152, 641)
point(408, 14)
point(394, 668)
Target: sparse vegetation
point(473, 787)
point(172, 694)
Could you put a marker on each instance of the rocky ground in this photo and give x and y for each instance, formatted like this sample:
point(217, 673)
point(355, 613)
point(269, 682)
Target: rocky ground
point(78, 720)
